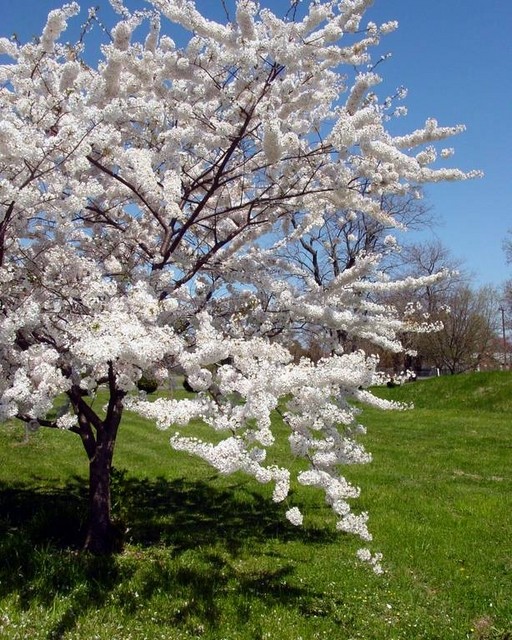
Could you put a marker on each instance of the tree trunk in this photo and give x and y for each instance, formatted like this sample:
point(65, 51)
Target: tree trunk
point(99, 438)
point(102, 536)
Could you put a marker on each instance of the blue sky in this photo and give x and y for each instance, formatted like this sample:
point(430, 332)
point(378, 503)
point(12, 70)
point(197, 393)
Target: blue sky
point(455, 58)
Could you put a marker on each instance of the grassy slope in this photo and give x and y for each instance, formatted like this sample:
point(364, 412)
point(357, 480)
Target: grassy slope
point(439, 493)
point(212, 557)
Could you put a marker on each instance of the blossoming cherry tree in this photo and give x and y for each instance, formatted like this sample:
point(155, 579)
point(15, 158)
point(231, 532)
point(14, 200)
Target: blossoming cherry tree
point(145, 205)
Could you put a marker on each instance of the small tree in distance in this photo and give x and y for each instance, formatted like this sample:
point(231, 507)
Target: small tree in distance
point(466, 337)
point(145, 206)
point(506, 303)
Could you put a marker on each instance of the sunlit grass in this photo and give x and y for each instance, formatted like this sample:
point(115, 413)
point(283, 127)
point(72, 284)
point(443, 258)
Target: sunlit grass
point(212, 557)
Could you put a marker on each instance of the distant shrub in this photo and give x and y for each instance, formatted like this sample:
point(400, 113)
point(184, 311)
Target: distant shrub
point(147, 383)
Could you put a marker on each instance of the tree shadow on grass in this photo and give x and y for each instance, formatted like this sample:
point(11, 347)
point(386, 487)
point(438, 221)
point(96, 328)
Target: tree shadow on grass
point(183, 515)
point(183, 540)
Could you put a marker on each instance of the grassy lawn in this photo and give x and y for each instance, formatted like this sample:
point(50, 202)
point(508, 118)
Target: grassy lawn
point(212, 557)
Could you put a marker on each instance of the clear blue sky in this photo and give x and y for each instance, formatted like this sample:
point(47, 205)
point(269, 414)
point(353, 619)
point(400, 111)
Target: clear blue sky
point(455, 58)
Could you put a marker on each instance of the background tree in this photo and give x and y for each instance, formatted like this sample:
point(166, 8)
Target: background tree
point(506, 302)
point(467, 317)
point(428, 258)
point(468, 338)
point(507, 246)
point(146, 202)
point(421, 259)
point(326, 251)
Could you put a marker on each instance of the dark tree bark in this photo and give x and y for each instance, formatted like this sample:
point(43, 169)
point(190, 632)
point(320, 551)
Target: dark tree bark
point(102, 536)
point(99, 439)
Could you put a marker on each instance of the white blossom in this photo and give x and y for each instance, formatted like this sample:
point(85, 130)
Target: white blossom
point(374, 560)
point(245, 17)
point(295, 516)
point(56, 23)
point(389, 27)
point(272, 145)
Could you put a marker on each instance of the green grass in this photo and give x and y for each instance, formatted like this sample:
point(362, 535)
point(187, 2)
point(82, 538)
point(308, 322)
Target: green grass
point(212, 557)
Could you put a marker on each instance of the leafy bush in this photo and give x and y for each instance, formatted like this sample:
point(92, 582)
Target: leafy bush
point(147, 383)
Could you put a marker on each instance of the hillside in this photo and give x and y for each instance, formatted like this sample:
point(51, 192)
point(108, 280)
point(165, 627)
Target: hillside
point(480, 391)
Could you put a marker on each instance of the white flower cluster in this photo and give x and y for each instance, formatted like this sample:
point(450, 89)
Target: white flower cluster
point(55, 25)
point(374, 560)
